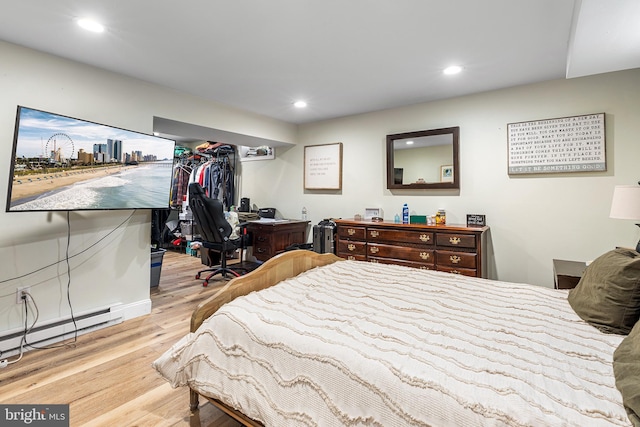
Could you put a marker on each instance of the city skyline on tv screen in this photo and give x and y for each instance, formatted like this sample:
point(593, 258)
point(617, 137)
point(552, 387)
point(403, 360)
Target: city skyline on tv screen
point(65, 163)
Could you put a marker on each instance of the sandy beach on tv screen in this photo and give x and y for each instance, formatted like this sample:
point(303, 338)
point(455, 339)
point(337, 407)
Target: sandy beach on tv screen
point(24, 186)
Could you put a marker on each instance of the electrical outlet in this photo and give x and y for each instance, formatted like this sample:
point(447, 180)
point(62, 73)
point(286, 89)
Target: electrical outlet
point(20, 293)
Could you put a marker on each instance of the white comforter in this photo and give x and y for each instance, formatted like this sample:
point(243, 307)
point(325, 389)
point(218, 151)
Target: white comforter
point(363, 344)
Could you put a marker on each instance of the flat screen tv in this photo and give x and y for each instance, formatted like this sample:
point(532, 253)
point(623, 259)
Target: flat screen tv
point(61, 163)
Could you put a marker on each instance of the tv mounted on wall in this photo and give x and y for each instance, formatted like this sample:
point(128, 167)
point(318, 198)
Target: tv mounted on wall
point(61, 163)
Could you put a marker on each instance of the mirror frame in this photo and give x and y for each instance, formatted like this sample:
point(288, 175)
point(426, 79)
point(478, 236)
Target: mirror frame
point(455, 184)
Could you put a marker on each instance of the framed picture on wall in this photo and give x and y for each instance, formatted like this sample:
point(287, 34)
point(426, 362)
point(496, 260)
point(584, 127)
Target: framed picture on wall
point(323, 167)
point(557, 145)
point(446, 173)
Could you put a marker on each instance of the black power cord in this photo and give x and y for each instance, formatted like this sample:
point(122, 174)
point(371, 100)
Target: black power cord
point(27, 297)
point(68, 257)
point(73, 319)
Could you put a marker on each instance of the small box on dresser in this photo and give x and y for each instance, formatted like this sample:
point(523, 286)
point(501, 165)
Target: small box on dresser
point(452, 248)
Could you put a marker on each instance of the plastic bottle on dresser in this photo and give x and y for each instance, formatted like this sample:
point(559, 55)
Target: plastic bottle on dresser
point(396, 219)
point(304, 213)
point(405, 214)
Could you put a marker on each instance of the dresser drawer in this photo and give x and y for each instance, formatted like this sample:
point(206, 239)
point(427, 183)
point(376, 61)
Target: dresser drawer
point(419, 255)
point(347, 232)
point(259, 238)
point(400, 236)
point(351, 257)
point(456, 240)
point(262, 250)
point(352, 248)
point(455, 270)
point(403, 262)
point(457, 259)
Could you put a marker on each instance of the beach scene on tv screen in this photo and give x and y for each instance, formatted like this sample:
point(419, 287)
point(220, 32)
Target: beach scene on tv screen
point(63, 163)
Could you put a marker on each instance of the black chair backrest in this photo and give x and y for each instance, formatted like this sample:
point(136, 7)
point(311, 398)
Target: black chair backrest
point(209, 215)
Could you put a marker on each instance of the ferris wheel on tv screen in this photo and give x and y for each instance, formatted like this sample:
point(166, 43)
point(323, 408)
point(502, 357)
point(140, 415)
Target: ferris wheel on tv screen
point(59, 147)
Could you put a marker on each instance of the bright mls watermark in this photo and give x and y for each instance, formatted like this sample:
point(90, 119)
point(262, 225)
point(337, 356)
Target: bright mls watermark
point(34, 415)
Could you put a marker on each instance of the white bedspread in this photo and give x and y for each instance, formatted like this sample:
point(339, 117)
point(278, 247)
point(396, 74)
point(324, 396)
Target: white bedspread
point(362, 344)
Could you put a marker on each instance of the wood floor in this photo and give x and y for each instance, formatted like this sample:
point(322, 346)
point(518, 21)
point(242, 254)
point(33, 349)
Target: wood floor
point(106, 376)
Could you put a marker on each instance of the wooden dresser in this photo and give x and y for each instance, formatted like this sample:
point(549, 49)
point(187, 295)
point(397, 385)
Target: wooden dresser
point(271, 238)
point(452, 248)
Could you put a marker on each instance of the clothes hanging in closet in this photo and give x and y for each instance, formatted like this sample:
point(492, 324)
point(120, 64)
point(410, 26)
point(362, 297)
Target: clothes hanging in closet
point(217, 175)
point(181, 172)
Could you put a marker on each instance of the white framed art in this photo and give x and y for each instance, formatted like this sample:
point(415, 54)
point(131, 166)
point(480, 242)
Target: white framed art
point(323, 167)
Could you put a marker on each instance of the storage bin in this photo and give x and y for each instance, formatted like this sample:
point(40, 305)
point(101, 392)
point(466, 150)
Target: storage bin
point(156, 265)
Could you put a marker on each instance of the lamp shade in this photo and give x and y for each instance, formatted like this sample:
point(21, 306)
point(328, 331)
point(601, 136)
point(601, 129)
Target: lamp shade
point(626, 202)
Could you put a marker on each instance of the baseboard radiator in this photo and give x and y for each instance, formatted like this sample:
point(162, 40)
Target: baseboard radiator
point(61, 329)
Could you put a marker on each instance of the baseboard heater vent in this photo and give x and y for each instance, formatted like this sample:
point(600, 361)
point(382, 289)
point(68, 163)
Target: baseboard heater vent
point(60, 329)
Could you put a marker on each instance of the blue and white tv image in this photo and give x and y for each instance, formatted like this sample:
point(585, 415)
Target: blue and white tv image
point(62, 163)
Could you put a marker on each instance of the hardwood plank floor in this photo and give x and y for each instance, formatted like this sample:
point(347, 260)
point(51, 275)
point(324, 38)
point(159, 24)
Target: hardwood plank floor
point(106, 376)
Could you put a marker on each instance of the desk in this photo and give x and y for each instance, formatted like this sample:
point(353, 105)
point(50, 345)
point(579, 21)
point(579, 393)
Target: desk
point(271, 238)
point(567, 274)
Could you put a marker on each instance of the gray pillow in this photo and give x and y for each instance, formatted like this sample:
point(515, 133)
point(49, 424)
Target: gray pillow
point(608, 294)
point(626, 368)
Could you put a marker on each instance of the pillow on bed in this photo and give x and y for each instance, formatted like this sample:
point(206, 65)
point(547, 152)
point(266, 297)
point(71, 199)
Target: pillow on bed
point(608, 294)
point(626, 368)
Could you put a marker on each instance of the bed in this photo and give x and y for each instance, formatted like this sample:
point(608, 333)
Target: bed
point(313, 340)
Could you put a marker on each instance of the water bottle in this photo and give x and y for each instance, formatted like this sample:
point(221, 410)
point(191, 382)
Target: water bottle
point(304, 214)
point(396, 219)
point(405, 214)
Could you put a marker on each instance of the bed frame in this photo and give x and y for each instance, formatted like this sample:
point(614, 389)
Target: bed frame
point(281, 267)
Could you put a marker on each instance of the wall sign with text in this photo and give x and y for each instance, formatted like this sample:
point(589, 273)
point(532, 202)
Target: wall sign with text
point(476, 220)
point(566, 144)
point(323, 167)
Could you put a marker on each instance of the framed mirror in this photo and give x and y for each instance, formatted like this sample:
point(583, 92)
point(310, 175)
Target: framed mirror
point(425, 159)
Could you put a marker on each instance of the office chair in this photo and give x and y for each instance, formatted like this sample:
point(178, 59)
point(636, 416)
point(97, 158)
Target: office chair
point(214, 230)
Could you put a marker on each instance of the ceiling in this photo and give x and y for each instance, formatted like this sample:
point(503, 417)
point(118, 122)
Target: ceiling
point(341, 57)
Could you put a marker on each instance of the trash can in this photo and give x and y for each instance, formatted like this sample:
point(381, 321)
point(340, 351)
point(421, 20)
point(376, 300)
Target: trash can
point(156, 265)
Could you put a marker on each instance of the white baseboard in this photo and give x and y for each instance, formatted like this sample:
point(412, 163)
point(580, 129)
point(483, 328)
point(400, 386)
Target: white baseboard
point(56, 330)
point(133, 310)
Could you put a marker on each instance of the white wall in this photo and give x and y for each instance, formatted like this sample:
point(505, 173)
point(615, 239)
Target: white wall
point(533, 219)
point(117, 268)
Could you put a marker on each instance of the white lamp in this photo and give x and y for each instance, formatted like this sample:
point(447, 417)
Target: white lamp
point(626, 204)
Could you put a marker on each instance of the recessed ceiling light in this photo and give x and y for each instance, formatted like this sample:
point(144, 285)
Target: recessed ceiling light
point(454, 69)
point(409, 142)
point(91, 25)
point(299, 104)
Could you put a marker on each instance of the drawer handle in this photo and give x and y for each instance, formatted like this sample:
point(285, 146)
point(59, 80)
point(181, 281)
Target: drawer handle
point(261, 250)
point(425, 255)
point(374, 261)
point(455, 272)
point(374, 250)
point(351, 247)
point(425, 237)
point(454, 259)
point(351, 231)
point(351, 258)
point(262, 239)
point(374, 233)
point(454, 240)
